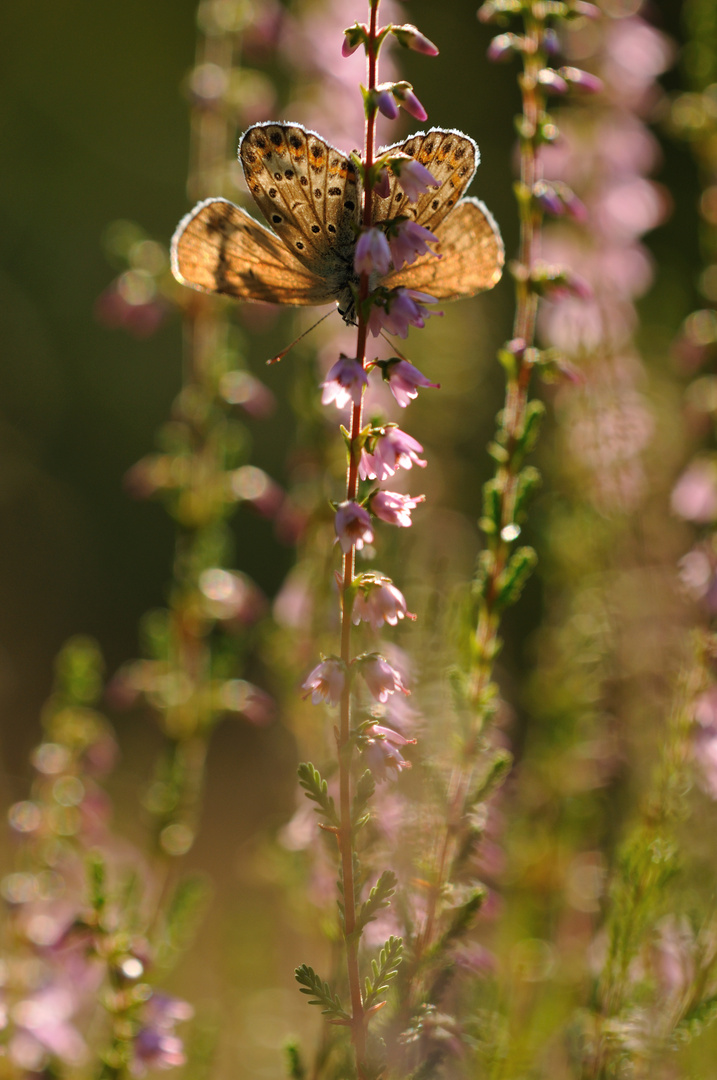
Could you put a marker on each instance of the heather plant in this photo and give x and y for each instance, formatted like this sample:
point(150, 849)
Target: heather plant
point(552, 918)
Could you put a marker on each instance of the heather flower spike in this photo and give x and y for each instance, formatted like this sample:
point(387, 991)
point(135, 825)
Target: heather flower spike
point(395, 508)
point(378, 601)
point(379, 245)
point(353, 526)
point(407, 240)
point(346, 381)
point(397, 310)
point(373, 253)
point(391, 449)
point(405, 380)
point(381, 750)
point(381, 678)
point(415, 179)
point(326, 682)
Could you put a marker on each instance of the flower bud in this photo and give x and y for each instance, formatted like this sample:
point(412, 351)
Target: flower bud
point(353, 37)
point(411, 38)
point(584, 80)
point(382, 186)
point(502, 47)
point(548, 199)
point(385, 103)
point(551, 81)
point(551, 42)
point(404, 95)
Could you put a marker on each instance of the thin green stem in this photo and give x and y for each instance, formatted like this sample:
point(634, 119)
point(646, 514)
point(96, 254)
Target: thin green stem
point(516, 399)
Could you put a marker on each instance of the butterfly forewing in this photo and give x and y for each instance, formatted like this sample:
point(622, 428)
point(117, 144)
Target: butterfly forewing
point(451, 158)
point(308, 192)
point(220, 248)
point(471, 251)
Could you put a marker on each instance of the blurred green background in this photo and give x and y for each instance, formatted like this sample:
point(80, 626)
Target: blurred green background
point(94, 128)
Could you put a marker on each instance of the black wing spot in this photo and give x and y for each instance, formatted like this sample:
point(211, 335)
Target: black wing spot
point(275, 138)
point(435, 204)
point(334, 191)
point(318, 192)
point(449, 202)
point(429, 148)
point(399, 196)
point(261, 142)
point(304, 181)
point(289, 174)
point(214, 225)
point(317, 150)
point(349, 205)
point(277, 219)
point(299, 245)
point(272, 192)
point(460, 152)
point(463, 171)
point(294, 141)
point(332, 228)
point(277, 176)
point(448, 147)
point(315, 228)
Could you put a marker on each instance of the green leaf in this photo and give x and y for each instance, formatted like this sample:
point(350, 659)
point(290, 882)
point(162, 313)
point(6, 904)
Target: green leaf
point(492, 507)
point(383, 970)
point(528, 482)
point(317, 790)
point(97, 877)
point(511, 582)
point(696, 1019)
point(183, 914)
point(365, 788)
point(495, 773)
point(296, 1069)
point(320, 992)
point(461, 922)
point(78, 671)
point(534, 413)
point(379, 897)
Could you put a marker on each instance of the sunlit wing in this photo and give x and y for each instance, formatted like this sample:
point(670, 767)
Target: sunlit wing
point(472, 256)
point(451, 157)
point(308, 192)
point(220, 248)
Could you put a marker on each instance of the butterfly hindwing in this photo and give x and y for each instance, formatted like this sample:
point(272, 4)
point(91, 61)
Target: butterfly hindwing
point(220, 248)
point(451, 157)
point(471, 251)
point(308, 192)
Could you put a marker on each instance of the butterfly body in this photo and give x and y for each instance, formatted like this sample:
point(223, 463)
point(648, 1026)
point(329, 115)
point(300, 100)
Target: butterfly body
point(310, 194)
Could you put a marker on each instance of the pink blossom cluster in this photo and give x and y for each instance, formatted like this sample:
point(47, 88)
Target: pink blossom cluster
point(378, 452)
point(597, 187)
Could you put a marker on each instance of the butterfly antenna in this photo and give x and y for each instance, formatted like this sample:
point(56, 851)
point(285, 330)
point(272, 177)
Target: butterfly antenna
point(282, 354)
point(397, 352)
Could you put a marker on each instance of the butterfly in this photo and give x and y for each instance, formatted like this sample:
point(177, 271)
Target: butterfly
point(310, 194)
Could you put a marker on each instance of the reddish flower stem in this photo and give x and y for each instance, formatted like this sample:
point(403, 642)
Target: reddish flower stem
point(345, 835)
